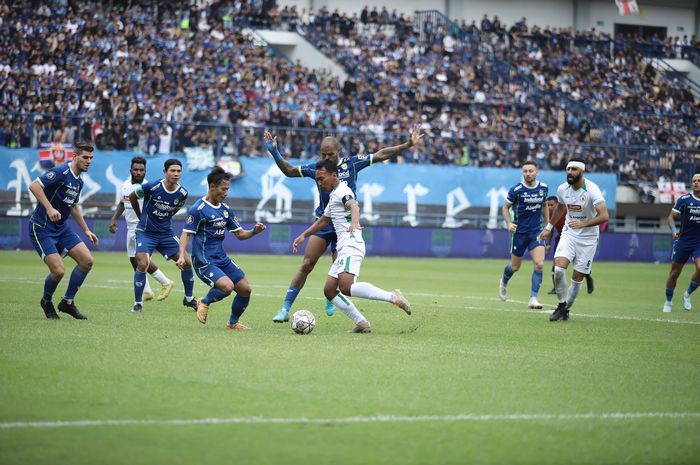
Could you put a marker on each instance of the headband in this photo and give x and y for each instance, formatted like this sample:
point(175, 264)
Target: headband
point(576, 164)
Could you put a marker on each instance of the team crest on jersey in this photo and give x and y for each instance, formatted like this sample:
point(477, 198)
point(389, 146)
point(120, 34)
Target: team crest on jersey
point(225, 214)
point(541, 192)
point(176, 201)
point(190, 220)
point(344, 166)
point(583, 198)
point(50, 174)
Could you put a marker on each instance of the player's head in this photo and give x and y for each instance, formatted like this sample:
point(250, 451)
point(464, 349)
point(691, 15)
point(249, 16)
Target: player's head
point(552, 202)
point(330, 149)
point(574, 171)
point(82, 156)
point(137, 170)
point(695, 183)
point(327, 174)
point(529, 170)
point(172, 169)
point(219, 181)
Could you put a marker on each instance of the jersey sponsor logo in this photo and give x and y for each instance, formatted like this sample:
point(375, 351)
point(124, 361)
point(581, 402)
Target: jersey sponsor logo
point(573, 207)
point(362, 157)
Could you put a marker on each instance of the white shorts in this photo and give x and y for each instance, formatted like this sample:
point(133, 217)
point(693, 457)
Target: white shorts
point(578, 251)
point(131, 242)
point(346, 264)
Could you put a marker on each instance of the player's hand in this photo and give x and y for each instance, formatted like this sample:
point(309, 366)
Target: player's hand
point(416, 135)
point(297, 242)
point(577, 224)
point(543, 235)
point(259, 227)
point(54, 215)
point(270, 142)
point(675, 235)
point(113, 227)
point(512, 227)
point(354, 227)
point(181, 262)
point(93, 237)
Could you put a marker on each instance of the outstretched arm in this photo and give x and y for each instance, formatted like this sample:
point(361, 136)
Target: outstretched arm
point(287, 168)
point(318, 225)
point(243, 234)
point(389, 152)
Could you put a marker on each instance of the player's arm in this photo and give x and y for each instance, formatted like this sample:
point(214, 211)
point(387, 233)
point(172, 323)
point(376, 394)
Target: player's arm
point(505, 213)
point(389, 152)
point(117, 214)
point(37, 189)
point(77, 214)
point(182, 256)
point(547, 231)
point(545, 212)
point(601, 217)
point(134, 200)
point(354, 207)
point(287, 168)
point(672, 217)
point(243, 234)
point(318, 225)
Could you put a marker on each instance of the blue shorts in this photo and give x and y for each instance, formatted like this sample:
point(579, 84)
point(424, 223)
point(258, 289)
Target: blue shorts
point(682, 251)
point(524, 242)
point(328, 235)
point(51, 240)
point(212, 272)
point(168, 244)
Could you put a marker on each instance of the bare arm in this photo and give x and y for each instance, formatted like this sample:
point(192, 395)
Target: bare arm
point(287, 168)
point(672, 217)
point(37, 189)
point(182, 255)
point(117, 214)
point(318, 225)
point(133, 198)
point(389, 152)
point(505, 212)
point(243, 234)
point(77, 214)
point(547, 231)
point(354, 208)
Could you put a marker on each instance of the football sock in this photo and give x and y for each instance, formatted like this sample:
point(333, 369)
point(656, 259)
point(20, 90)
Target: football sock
point(560, 282)
point(573, 292)
point(147, 286)
point(237, 308)
point(348, 308)
point(691, 287)
point(49, 287)
point(507, 274)
point(370, 291)
point(554, 284)
point(160, 277)
point(290, 297)
point(536, 282)
point(76, 280)
point(214, 295)
point(139, 278)
point(669, 294)
point(188, 282)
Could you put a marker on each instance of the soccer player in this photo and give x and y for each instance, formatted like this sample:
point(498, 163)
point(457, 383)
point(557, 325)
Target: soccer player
point(58, 192)
point(348, 168)
point(585, 210)
point(344, 212)
point(528, 199)
point(161, 200)
point(138, 176)
point(207, 220)
point(686, 243)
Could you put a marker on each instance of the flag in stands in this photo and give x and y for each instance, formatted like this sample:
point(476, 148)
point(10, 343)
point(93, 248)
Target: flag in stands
point(670, 191)
point(54, 153)
point(627, 7)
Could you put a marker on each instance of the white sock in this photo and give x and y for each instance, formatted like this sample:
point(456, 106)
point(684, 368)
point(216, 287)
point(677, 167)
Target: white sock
point(560, 282)
point(573, 292)
point(370, 291)
point(147, 287)
point(348, 308)
point(160, 276)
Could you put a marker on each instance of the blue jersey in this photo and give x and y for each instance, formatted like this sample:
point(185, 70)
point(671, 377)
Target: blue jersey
point(62, 188)
point(347, 171)
point(209, 224)
point(688, 207)
point(528, 203)
point(159, 206)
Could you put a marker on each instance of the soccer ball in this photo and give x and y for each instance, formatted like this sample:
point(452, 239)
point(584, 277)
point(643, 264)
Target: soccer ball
point(303, 322)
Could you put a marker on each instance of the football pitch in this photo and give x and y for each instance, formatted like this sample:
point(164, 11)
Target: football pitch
point(465, 379)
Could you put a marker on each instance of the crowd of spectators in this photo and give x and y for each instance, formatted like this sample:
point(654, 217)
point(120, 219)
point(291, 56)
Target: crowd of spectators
point(162, 76)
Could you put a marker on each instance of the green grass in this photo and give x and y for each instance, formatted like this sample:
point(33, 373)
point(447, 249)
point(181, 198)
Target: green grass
point(462, 352)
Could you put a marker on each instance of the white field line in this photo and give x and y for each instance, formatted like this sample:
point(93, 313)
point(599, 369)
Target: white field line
point(422, 294)
point(526, 417)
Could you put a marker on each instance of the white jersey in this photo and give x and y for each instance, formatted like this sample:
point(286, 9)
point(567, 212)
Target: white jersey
point(129, 215)
point(580, 205)
point(348, 244)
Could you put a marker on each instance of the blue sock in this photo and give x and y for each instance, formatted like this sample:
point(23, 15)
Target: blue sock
point(692, 286)
point(139, 282)
point(214, 295)
point(76, 280)
point(507, 274)
point(291, 296)
point(237, 308)
point(188, 282)
point(49, 287)
point(669, 293)
point(536, 282)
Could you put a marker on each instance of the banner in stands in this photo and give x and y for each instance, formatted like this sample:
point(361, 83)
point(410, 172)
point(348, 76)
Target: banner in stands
point(452, 187)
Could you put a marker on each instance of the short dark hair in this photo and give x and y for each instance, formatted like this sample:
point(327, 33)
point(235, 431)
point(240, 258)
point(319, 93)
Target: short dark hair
point(530, 162)
point(138, 161)
point(82, 146)
point(217, 175)
point(580, 160)
point(170, 162)
point(327, 164)
point(553, 197)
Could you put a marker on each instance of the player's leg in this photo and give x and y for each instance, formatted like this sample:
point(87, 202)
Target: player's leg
point(131, 253)
point(679, 256)
point(329, 307)
point(165, 282)
point(45, 245)
point(517, 249)
point(220, 285)
point(239, 304)
point(564, 255)
point(348, 285)
point(83, 258)
point(170, 247)
point(315, 247)
point(537, 255)
point(687, 304)
point(330, 290)
point(585, 252)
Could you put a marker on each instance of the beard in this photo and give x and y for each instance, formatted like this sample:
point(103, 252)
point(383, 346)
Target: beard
point(571, 179)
